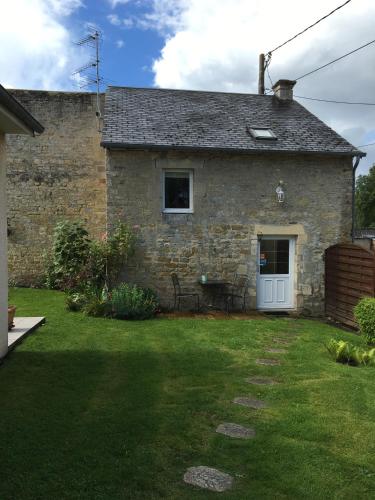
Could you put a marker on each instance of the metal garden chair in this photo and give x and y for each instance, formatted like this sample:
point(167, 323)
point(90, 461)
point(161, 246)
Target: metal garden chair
point(180, 294)
point(238, 290)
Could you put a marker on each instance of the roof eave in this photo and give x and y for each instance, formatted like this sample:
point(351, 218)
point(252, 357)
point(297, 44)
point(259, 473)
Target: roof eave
point(157, 147)
point(14, 107)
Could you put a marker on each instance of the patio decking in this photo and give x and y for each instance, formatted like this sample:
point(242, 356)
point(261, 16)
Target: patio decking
point(23, 326)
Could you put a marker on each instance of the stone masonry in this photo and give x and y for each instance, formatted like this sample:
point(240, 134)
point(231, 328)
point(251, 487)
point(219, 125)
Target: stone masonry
point(234, 204)
point(65, 174)
point(58, 175)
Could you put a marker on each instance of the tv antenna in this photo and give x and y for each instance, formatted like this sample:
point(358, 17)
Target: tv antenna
point(90, 78)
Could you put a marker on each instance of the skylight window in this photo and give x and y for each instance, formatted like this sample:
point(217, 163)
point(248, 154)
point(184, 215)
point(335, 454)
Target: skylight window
point(262, 133)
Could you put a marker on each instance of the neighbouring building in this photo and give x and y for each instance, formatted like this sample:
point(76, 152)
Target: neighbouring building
point(196, 173)
point(14, 119)
point(365, 238)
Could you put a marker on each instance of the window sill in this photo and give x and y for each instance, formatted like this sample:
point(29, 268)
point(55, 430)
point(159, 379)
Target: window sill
point(177, 211)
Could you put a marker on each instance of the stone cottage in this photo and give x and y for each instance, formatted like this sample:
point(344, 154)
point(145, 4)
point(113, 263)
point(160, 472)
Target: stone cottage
point(215, 183)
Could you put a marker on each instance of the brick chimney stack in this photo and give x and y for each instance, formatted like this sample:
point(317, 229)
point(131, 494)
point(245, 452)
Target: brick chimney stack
point(283, 89)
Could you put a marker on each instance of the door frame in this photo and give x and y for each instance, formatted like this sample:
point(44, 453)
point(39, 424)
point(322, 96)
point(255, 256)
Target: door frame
point(292, 273)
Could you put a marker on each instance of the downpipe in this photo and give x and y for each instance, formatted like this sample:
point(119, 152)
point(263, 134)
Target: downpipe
point(356, 163)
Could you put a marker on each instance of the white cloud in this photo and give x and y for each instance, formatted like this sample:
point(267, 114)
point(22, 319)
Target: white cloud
point(64, 8)
point(215, 45)
point(120, 44)
point(36, 47)
point(114, 3)
point(114, 19)
point(128, 22)
point(165, 15)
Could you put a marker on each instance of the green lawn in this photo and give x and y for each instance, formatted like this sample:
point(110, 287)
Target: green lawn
point(105, 409)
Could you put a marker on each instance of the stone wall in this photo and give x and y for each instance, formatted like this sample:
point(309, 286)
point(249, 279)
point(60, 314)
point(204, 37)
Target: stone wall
point(3, 252)
point(234, 203)
point(58, 175)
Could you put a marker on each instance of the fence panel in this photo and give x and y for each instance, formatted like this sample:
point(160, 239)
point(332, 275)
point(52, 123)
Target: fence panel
point(349, 276)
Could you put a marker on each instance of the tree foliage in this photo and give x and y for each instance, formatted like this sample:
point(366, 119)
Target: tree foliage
point(365, 200)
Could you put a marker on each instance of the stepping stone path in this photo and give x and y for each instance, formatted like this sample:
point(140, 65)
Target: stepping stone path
point(282, 341)
point(261, 381)
point(236, 431)
point(271, 362)
point(208, 478)
point(212, 479)
point(256, 404)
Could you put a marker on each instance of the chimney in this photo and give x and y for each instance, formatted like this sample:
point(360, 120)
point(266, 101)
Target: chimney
point(283, 89)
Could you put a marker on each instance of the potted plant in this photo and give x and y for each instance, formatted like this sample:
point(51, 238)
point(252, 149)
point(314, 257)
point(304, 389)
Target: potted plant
point(11, 314)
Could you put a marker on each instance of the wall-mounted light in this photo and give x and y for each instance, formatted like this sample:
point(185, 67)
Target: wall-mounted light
point(280, 192)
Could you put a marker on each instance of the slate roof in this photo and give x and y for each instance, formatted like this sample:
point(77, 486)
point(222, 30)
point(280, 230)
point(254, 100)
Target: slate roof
point(199, 120)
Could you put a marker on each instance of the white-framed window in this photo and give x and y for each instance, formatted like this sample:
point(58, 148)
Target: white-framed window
point(177, 191)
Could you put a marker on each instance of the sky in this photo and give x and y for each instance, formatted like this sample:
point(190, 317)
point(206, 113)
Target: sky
point(201, 45)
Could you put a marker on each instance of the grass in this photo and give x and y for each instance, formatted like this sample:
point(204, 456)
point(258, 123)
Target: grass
point(105, 409)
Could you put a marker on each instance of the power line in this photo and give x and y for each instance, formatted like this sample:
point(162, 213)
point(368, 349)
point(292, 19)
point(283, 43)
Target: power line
point(365, 145)
point(336, 102)
point(309, 27)
point(335, 60)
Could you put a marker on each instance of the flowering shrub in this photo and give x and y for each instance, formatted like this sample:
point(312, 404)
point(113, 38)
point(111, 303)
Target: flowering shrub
point(78, 261)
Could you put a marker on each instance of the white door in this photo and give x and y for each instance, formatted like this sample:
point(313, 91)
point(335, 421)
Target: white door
point(275, 272)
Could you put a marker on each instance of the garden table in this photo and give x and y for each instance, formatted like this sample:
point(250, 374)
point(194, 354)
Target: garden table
point(213, 288)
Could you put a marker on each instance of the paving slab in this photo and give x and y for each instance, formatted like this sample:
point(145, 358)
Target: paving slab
point(261, 381)
point(276, 350)
point(23, 326)
point(235, 431)
point(208, 478)
point(256, 404)
point(270, 362)
point(282, 341)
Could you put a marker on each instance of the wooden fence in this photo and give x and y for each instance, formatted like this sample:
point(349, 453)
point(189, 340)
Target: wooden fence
point(349, 276)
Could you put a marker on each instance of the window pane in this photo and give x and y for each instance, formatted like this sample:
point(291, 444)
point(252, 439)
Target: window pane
point(282, 245)
point(274, 257)
point(268, 268)
point(262, 133)
point(177, 190)
point(282, 256)
point(282, 268)
point(267, 245)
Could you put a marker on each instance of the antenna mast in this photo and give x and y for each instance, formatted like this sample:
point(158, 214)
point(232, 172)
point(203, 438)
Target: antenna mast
point(91, 40)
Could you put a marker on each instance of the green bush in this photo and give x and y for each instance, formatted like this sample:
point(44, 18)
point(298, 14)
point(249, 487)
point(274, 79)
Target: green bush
point(347, 353)
point(75, 301)
point(77, 262)
point(364, 313)
point(96, 306)
point(108, 255)
point(133, 302)
point(70, 252)
point(91, 301)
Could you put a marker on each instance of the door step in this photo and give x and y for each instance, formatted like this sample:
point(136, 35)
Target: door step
point(276, 313)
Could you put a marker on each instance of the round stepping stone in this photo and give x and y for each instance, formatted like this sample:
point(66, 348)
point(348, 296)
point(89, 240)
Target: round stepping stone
point(276, 350)
point(235, 431)
point(261, 381)
point(208, 478)
point(256, 404)
point(282, 341)
point(270, 362)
